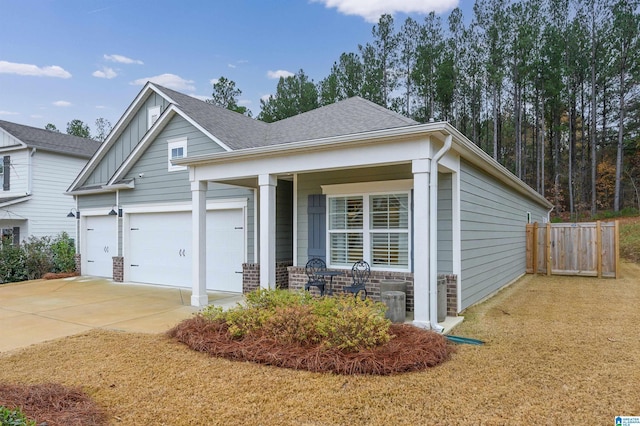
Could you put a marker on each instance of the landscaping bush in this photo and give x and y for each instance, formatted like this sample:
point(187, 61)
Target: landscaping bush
point(14, 417)
point(36, 257)
point(342, 322)
point(630, 241)
point(12, 265)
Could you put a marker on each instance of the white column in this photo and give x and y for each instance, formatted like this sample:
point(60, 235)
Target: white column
point(199, 243)
point(267, 231)
point(421, 169)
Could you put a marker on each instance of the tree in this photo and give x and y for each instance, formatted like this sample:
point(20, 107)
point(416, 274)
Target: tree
point(103, 128)
point(625, 46)
point(51, 127)
point(78, 128)
point(225, 95)
point(294, 95)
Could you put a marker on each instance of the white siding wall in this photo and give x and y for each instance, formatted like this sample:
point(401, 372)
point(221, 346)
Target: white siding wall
point(19, 173)
point(47, 210)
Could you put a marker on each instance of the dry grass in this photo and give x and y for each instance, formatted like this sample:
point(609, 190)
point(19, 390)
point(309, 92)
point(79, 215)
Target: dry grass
point(560, 350)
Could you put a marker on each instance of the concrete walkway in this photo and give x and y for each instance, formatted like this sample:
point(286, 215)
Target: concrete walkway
point(35, 311)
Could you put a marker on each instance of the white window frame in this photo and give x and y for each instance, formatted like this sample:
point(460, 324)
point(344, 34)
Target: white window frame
point(151, 112)
point(366, 190)
point(174, 144)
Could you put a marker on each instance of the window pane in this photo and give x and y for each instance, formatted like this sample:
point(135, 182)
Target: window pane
point(345, 213)
point(346, 248)
point(389, 211)
point(177, 153)
point(390, 249)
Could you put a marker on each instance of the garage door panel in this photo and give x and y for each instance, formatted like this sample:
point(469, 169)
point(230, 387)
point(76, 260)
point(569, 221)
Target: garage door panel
point(101, 244)
point(160, 249)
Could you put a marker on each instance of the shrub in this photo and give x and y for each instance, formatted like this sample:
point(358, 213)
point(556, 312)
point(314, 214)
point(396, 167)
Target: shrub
point(38, 257)
point(630, 241)
point(12, 265)
point(14, 417)
point(63, 253)
point(342, 322)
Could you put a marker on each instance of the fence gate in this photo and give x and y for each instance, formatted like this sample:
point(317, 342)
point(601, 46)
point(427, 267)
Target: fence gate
point(587, 249)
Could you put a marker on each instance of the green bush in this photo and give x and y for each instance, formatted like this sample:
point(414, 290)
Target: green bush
point(630, 241)
point(63, 253)
point(343, 322)
point(12, 265)
point(36, 257)
point(14, 417)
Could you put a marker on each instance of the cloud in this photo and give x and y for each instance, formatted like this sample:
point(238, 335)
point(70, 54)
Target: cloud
point(231, 66)
point(171, 81)
point(62, 103)
point(33, 70)
point(265, 97)
point(213, 81)
point(9, 113)
point(280, 73)
point(122, 59)
point(372, 10)
point(105, 72)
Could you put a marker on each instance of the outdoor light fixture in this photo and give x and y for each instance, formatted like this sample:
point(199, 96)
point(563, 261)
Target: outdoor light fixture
point(115, 211)
point(74, 213)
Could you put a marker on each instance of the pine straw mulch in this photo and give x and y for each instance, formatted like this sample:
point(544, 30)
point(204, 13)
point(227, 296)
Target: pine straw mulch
point(559, 350)
point(59, 275)
point(53, 404)
point(410, 349)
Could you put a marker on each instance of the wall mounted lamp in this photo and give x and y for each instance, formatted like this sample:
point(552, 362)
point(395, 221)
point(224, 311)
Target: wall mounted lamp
point(74, 213)
point(115, 211)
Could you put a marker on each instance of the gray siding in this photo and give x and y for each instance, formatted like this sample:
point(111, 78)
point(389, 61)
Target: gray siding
point(310, 184)
point(284, 221)
point(131, 135)
point(445, 228)
point(105, 201)
point(492, 220)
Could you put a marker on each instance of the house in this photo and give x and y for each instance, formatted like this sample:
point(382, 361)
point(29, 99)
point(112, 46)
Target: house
point(206, 198)
point(37, 166)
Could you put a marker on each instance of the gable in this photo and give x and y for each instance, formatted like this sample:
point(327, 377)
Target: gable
point(7, 140)
point(127, 140)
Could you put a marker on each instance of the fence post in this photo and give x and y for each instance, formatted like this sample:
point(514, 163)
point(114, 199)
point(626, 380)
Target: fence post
point(548, 251)
point(616, 240)
point(535, 248)
point(599, 248)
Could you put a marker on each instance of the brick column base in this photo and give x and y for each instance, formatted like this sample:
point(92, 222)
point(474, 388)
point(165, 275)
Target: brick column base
point(78, 259)
point(118, 269)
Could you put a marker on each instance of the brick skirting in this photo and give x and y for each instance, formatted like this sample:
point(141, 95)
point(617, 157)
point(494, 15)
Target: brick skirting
point(298, 278)
point(251, 275)
point(118, 269)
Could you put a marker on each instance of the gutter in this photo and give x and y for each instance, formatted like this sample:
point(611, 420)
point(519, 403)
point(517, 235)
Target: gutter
point(433, 235)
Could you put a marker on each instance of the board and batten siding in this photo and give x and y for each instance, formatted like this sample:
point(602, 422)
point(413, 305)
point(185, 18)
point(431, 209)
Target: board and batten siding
point(284, 221)
point(128, 139)
point(493, 237)
point(310, 183)
point(47, 210)
point(445, 224)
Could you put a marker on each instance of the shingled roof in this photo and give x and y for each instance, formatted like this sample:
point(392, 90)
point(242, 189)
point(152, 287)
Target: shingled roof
point(350, 116)
point(47, 140)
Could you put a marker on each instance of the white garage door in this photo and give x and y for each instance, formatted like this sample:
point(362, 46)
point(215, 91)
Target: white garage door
point(101, 244)
point(160, 249)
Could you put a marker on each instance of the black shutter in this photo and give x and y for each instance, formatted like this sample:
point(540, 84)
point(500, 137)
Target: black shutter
point(16, 235)
point(6, 165)
point(317, 216)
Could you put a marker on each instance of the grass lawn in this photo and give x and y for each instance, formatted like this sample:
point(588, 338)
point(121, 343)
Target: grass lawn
point(560, 350)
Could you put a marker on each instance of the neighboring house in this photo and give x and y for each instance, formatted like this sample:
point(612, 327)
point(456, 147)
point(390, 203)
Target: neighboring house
point(36, 168)
point(206, 198)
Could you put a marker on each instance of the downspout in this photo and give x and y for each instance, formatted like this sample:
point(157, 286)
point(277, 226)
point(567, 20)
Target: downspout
point(433, 235)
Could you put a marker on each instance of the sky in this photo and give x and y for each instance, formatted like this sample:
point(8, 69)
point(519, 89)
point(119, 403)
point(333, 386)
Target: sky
point(87, 59)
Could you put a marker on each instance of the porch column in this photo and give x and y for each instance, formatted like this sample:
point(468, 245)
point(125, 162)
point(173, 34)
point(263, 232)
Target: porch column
point(421, 169)
point(199, 244)
point(267, 231)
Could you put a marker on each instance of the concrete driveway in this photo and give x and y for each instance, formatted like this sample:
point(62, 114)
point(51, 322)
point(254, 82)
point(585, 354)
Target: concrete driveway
point(35, 311)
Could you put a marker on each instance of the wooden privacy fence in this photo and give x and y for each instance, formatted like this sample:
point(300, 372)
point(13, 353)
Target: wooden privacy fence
point(587, 249)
